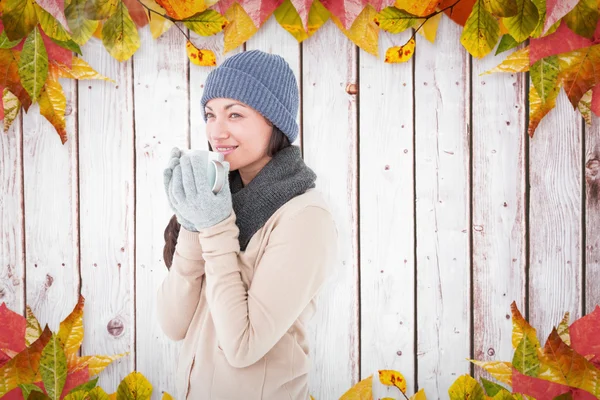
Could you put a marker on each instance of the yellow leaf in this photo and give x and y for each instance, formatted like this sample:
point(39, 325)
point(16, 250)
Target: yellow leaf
point(466, 387)
point(287, 16)
point(420, 395)
point(134, 387)
point(400, 54)
point(429, 28)
point(524, 23)
point(521, 327)
point(364, 32)
point(98, 32)
point(51, 26)
point(179, 9)
point(585, 109)
point(120, 35)
point(19, 18)
point(81, 27)
point(563, 327)
point(167, 396)
point(239, 29)
point(393, 378)
point(70, 331)
point(79, 70)
point(98, 393)
point(95, 364)
point(500, 370)
point(481, 31)
point(205, 58)
point(52, 106)
point(363, 390)
point(206, 23)
point(12, 105)
point(517, 61)
point(158, 24)
point(394, 20)
point(420, 8)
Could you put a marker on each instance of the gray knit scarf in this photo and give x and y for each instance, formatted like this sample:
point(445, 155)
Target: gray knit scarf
point(284, 177)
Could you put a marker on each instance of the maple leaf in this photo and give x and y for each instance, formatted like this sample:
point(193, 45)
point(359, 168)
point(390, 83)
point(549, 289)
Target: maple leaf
point(543, 389)
point(517, 61)
point(500, 370)
point(12, 334)
point(563, 40)
point(9, 76)
point(584, 335)
point(79, 70)
point(563, 329)
point(538, 108)
point(346, 11)
point(579, 72)
point(52, 106)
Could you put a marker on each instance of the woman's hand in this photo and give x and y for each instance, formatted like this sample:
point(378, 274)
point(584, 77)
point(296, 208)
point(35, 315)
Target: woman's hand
point(192, 196)
point(167, 175)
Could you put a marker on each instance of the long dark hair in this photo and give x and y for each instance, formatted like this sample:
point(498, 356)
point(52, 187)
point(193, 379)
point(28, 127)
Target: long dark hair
point(277, 142)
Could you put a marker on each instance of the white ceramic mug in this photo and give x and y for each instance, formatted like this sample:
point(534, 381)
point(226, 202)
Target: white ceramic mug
point(214, 167)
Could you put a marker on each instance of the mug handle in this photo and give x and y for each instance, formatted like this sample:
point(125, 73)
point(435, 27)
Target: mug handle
point(219, 176)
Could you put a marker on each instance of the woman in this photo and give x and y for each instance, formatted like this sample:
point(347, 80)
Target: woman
point(249, 261)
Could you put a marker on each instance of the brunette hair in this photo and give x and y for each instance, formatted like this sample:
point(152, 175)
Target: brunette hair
point(277, 142)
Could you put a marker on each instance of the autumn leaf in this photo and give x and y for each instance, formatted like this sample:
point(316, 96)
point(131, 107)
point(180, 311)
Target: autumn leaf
point(579, 72)
point(420, 395)
point(119, 34)
point(583, 18)
point(542, 389)
point(101, 9)
point(584, 107)
point(419, 8)
point(502, 8)
point(524, 22)
point(27, 388)
point(79, 69)
point(393, 378)
point(179, 10)
point(302, 8)
point(363, 390)
point(517, 61)
point(98, 393)
point(96, 364)
point(541, 8)
point(584, 334)
point(158, 24)
point(481, 32)
point(5, 42)
point(429, 28)
point(51, 26)
point(22, 368)
point(81, 27)
point(507, 42)
point(205, 58)
point(460, 12)
point(544, 76)
point(137, 12)
point(70, 331)
point(521, 327)
point(12, 334)
point(52, 106)
point(491, 388)
point(400, 54)
point(260, 10)
point(525, 360)
point(9, 76)
point(466, 388)
point(11, 107)
point(500, 370)
point(167, 396)
point(85, 386)
point(345, 11)
point(76, 381)
point(561, 41)
point(563, 327)
point(206, 23)
point(289, 19)
point(33, 64)
point(394, 20)
point(56, 8)
point(53, 368)
point(556, 9)
point(538, 109)
point(364, 32)
point(19, 18)
point(134, 387)
point(240, 28)
point(60, 51)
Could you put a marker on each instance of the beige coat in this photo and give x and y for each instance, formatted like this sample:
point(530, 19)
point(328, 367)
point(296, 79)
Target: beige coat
point(243, 316)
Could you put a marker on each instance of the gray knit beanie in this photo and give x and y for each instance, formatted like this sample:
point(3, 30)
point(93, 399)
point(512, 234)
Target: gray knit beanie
point(261, 80)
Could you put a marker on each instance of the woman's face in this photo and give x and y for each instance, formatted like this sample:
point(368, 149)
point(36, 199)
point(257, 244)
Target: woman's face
point(239, 132)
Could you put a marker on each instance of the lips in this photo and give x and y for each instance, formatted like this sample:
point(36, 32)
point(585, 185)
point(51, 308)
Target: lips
point(225, 149)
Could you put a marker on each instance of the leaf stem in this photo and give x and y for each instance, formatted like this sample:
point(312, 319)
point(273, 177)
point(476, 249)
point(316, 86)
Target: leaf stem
point(165, 16)
point(433, 14)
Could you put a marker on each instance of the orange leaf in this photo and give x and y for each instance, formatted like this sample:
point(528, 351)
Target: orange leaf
point(204, 58)
point(53, 102)
point(521, 328)
point(182, 9)
point(420, 8)
point(539, 109)
point(9, 76)
point(460, 12)
point(579, 72)
point(70, 332)
point(393, 378)
point(363, 390)
point(400, 54)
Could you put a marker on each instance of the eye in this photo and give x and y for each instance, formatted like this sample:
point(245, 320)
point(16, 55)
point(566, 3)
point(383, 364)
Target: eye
point(235, 115)
point(208, 114)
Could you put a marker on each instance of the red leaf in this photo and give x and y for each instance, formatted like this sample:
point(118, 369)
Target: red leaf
point(137, 12)
point(12, 334)
point(561, 41)
point(56, 52)
point(345, 10)
point(460, 12)
point(543, 389)
point(595, 106)
point(556, 9)
point(56, 8)
point(584, 332)
point(258, 10)
point(303, 8)
point(75, 379)
point(381, 4)
point(3, 357)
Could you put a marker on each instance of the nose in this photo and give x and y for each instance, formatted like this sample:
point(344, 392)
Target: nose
point(217, 131)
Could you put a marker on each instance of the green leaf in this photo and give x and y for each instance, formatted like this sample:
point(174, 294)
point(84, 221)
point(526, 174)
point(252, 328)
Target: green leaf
point(541, 7)
point(86, 386)
point(501, 8)
point(33, 64)
point(206, 23)
point(19, 18)
point(53, 368)
point(522, 25)
point(78, 395)
point(51, 26)
point(120, 35)
point(394, 20)
point(101, 9)
point(28, 387)
point(69, 45)
point(466, 388)
point(491, 388)
point(481, 31)
point(544, 75)
point(81, 27)
point(564, 396)
point(134, 387)
point(583, 18)
point(507, 42)
point(525, 359)
point(6, 43)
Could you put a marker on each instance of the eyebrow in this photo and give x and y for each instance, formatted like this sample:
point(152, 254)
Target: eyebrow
point(228, 106)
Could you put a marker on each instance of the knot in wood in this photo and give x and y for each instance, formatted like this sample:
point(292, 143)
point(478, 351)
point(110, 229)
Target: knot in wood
point(115, 327)
point(592, 167)
point(351, 88)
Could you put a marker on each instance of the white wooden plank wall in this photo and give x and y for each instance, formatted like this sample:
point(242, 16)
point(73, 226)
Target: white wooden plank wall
point(425, 166)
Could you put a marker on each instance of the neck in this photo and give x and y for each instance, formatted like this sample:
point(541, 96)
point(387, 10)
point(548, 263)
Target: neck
point(249, 172)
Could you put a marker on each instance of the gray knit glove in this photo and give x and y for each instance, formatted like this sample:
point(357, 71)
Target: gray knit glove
point(167, 175)
point(192, 194)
